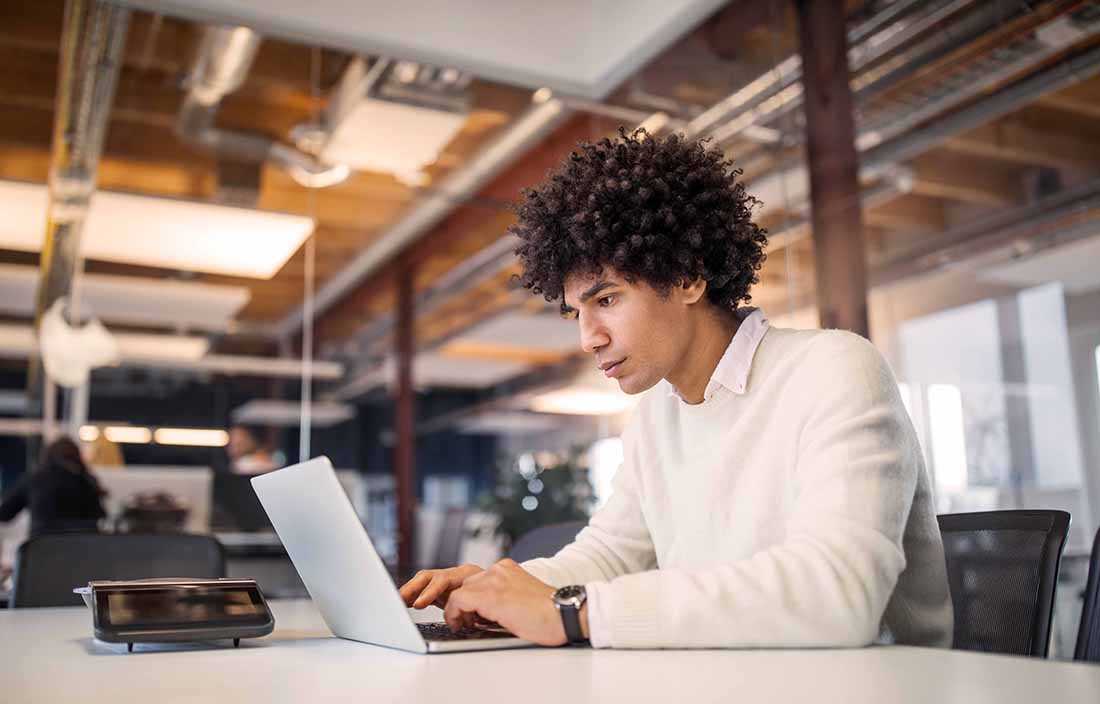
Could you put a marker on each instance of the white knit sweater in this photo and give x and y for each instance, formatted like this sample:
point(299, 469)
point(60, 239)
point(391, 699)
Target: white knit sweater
point(797, 513)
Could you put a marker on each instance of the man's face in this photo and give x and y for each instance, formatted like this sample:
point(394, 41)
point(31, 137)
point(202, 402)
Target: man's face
point(633, 332)
point(241, 442)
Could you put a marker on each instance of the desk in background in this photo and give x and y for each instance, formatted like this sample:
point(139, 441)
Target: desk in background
point(48, 655)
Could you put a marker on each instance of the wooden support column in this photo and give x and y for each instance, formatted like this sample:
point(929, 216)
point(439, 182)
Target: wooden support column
point(405, 417)
point(834, 167)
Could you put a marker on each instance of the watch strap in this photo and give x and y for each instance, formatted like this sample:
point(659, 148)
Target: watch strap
point(571, 619)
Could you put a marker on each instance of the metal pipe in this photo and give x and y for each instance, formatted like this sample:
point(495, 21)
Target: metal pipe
point(1008, 100)
point(528, 130)
point(224, 58)
point(791, 179)
point(897, 182)
point(980, 236)
point(92, 41)
point(780, 85)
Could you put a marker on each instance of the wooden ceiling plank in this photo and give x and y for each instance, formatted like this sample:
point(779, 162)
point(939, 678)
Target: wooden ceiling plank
point(906, 213)
point(948, 176)
point(1013, 141)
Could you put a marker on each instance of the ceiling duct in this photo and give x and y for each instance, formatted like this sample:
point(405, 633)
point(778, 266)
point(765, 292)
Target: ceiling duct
point(527, 130)
point(880, 149)
point(780, 88)
point(224, 58)
point(92, 43)
point(393, 117)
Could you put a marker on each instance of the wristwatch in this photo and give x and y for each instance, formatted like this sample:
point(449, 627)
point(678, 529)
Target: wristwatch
point(568, 601)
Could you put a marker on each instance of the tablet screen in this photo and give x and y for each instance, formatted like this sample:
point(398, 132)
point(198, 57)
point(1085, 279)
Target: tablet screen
point(181, 606)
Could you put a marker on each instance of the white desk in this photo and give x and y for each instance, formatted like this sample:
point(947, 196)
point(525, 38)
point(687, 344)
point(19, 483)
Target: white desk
point(47, 655)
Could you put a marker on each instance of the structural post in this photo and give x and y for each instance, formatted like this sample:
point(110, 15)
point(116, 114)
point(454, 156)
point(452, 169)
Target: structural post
point(404, 451)
point(833, 161)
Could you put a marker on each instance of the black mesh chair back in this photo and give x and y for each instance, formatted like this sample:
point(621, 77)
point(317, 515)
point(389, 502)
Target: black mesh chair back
point(1088, 635)
point(48, 566)
point(545, 541)
point(1002, 567)
point(448, 550)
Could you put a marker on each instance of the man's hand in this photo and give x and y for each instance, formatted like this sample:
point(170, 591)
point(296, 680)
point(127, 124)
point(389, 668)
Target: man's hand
point(509, 595)
point(429, 587)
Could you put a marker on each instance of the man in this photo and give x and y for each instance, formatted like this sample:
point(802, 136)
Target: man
point(772, 493)
point(246, 454)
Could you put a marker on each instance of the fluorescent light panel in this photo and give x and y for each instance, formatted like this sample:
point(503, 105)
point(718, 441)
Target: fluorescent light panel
point(582, 402)
point(161, 232)
point(289, 413)
point(136, 435)
point(133, 300)
point(195, 437)
point(17, 342)
point(128, 434)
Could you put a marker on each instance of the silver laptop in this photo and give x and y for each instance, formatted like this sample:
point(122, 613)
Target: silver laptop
point(342, 571)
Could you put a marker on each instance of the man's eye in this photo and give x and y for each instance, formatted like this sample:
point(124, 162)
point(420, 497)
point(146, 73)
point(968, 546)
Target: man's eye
point(606, 300)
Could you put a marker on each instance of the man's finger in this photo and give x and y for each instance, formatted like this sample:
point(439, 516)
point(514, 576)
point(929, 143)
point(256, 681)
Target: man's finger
point(453, 613)
point(438, 584)
point(410, 589)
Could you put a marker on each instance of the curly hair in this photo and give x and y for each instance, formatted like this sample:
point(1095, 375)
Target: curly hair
point(661, 210)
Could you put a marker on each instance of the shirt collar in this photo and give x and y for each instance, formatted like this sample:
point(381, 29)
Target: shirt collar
point(733, 368)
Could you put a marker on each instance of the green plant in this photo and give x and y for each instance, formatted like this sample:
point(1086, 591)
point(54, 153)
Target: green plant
point(539, 488)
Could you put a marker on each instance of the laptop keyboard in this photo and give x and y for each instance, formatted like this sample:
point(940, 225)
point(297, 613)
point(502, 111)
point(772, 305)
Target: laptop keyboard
point(441, 631)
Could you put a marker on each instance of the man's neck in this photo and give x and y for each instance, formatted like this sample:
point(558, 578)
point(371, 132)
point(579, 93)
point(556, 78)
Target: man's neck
point(702, 354)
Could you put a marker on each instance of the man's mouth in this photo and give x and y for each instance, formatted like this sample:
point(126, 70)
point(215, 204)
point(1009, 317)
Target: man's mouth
point(612, 368)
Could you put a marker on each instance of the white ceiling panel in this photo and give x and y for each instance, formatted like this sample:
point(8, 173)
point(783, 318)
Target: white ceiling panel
point(133, 300)
point(576, 46)
point(161, 232)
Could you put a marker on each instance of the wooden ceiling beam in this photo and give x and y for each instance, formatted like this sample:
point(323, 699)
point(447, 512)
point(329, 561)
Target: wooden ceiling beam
point(910, 212)
point(1081, 99)
point(955, 177)
point(1012, 140)
point(460, 349)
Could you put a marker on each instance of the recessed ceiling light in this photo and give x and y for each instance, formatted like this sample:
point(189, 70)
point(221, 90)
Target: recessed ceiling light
point(161, 232)
point(196, 437)
point(129, 434)
point(583, 402)
point(133, 300)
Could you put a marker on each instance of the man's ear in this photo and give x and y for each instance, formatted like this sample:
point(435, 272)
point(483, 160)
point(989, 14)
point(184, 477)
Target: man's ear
point(693, 291)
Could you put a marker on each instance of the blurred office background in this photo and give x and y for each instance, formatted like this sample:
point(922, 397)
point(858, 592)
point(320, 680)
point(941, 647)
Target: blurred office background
point(290, 222)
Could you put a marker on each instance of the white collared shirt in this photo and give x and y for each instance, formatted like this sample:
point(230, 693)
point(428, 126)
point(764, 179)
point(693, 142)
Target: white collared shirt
point(733, 368)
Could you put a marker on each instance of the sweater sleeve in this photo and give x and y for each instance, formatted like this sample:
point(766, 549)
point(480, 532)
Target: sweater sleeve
point(616, 540)
point(828, 583)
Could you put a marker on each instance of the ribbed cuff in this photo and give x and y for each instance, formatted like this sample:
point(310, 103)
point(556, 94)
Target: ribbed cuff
point(599, 616)
point(628, 610)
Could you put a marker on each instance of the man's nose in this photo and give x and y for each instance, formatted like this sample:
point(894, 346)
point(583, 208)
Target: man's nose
point(593, 336)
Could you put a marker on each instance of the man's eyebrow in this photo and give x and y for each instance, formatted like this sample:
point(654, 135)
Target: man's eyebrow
point(592, 291)
point(596, 288)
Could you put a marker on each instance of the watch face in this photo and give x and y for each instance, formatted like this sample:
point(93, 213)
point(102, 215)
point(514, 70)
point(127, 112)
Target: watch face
point(570, 592)
point(570, 596)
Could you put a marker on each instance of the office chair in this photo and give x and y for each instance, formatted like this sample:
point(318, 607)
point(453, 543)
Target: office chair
point(236, 506)
point(1088, 635)
point(448, 549)
point(1002, 567)
point(545, 541)
point(48, 566)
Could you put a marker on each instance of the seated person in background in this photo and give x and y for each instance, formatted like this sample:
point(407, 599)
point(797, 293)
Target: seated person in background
point(61, 493)
point(246, 454)
point(772, 493)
